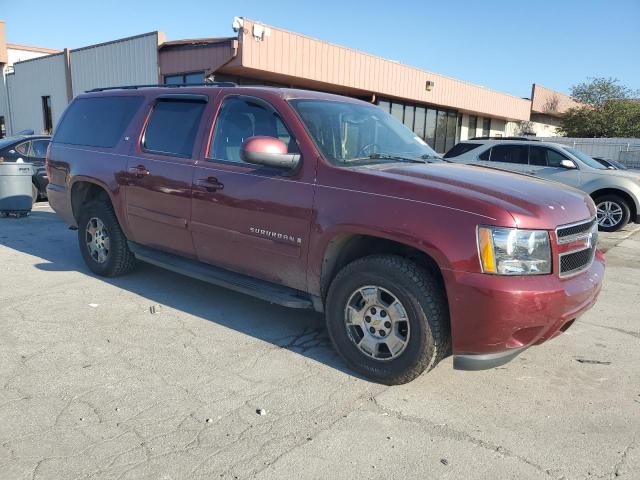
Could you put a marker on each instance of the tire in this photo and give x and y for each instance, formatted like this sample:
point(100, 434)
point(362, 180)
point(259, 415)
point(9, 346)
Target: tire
point(427, 317)
point(615, 205)
point(34, 194)
point(118, 259)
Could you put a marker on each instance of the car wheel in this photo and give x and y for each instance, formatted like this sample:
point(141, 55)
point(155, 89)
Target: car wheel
point(102, 242)
point(613, 213)
point(388, 318)
point(34, 194)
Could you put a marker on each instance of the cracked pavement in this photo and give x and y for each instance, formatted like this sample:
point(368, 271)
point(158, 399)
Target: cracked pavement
point(96, 386)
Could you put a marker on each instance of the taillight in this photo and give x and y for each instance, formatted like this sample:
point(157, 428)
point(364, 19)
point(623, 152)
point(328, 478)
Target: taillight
point(47, 161)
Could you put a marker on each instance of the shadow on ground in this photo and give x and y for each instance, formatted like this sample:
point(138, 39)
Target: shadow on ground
point(45, 236)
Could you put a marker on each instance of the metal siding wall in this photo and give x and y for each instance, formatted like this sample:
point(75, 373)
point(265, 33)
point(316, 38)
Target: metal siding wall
point(190, 59)
point(32, 80)
point(127, 62)
point(291, 54)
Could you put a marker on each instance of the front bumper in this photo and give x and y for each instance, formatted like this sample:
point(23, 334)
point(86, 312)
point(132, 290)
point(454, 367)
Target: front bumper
point(494, 318)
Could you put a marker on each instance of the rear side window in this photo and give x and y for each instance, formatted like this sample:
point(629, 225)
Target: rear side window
point(173, 126)
point(510, 154)
point(461, 148)
point(97, 121)
point(39, 148)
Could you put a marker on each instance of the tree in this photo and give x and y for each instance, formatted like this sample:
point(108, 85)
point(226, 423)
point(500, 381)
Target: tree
point(608, 110)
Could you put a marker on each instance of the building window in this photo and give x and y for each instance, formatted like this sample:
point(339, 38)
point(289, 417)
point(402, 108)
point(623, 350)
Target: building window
point(418, 122)
point(486, 127)
point(397, 110)
point(458, 128)
point(184, 78)
point(384, 105)
point(430, 127)
point(3, 128)
point(47, 120)
point(473, 125)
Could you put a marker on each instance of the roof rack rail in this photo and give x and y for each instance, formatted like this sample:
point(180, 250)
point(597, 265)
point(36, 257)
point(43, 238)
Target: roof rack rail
point(529, 139)
point(173, 85)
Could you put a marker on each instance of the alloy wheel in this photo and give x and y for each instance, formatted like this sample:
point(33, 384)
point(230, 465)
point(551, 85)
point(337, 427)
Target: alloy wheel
point(609, 214)
point(97, 240)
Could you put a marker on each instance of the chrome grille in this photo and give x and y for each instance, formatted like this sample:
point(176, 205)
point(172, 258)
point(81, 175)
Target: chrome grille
point(574, 231)
point(581, 258)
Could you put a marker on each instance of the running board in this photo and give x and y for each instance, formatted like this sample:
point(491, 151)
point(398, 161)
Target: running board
point(270, 292)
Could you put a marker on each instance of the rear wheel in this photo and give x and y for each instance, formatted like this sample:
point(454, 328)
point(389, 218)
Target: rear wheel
point(613, 212)
point(102, 242)
point(387, 317)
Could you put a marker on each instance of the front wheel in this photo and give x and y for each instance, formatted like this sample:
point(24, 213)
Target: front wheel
point(388, 318)
point(613, 213)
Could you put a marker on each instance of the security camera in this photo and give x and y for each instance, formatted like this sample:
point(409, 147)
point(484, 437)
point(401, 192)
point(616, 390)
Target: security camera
point(237, 24)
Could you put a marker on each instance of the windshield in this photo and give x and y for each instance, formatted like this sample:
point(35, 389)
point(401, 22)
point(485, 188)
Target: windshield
point(585, 158)
point(8, 141)
point(348, 133)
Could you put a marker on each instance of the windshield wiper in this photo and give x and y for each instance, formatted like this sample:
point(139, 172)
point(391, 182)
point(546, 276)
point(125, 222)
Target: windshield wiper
point(386, 156)
point(428, 156)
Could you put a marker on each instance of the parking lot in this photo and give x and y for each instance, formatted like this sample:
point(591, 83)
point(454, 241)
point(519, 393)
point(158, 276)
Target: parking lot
point(155, 375)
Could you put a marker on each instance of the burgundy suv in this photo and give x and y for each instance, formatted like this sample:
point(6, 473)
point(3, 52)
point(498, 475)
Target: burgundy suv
point(312, 200)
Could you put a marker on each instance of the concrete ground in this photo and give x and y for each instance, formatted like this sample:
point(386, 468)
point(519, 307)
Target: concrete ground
point(94, 385)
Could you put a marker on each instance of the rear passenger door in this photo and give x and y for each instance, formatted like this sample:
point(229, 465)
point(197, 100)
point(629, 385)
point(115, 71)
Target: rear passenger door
point(160, 171)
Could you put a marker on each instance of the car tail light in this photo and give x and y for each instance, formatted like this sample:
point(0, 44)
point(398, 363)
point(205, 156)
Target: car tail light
point(47, 161)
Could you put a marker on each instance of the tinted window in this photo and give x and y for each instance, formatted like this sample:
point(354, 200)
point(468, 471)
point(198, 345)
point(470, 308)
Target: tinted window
point(418, 123)
point(461, 148)
point(473, 124)
point(173, 126)
point(452, 122)
point(39, 148)
point(240, 119)
point(486, 127)
point(509, 154)
point(23, 148)
point(485, 155)
point(97, 121)
point(538, 156)
point(554, 158)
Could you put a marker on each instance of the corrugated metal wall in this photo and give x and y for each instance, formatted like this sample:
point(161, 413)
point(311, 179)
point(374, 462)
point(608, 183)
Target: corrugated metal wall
point(294, 55)
point(130, 61)
point(32, 80)
point(193, 58)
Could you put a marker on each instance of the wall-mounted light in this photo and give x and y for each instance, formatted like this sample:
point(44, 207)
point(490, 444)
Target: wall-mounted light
point(429, 84)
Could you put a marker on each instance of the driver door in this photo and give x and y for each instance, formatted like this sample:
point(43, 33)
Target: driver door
point(545, 162)
point(249, 218)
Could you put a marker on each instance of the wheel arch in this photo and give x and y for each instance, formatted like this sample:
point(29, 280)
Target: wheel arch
point(86, 190)
point(620, 193)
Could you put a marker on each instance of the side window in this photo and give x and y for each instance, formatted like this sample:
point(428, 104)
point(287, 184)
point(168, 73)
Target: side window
point(461, 148)
point(39, 148)
point(173, 126)
point(509, 154)
point(24, 149)
point(554, 158)
point(538, 156)
point(486, 155)
point(97, 121)
point(240, 119)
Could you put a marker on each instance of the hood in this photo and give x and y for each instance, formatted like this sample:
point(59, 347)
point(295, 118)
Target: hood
point(530, 201)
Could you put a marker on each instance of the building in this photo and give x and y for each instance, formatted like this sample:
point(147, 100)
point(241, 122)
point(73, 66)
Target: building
point(439, 109)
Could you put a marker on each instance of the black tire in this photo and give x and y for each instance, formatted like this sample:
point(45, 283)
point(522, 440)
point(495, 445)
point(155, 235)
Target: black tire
point(34, 194)
point(119, 259)
point(422, 297)
point(622, 204)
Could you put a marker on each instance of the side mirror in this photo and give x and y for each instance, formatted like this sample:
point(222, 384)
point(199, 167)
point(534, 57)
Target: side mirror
point(268, 151)
point(568, 164)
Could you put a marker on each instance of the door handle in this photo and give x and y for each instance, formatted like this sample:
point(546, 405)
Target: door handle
point(210, 184)
point(139, 171)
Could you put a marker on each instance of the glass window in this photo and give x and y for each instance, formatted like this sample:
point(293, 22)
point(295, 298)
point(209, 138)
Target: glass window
point(39, 148)
point(418, 122)
point(461, 148)
point(385, 105)
point(350, 133)
point(538, 156)
point(441, 131)
point(173, 126)
point(408, 116)
point(97, 121)
point(452, 122)
point(242, 118)
point(486, 127)
point(184, 78)
point(486, 155)
point(510, 154)
point(473, 125)
point(397, 110)
point(24, 148)
point(459, 128)
point(430, 127)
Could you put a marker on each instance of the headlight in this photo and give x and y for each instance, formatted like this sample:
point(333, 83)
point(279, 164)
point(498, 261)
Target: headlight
point(510, 251)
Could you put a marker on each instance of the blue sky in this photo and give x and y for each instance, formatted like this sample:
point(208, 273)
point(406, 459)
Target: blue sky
point(504, 45)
